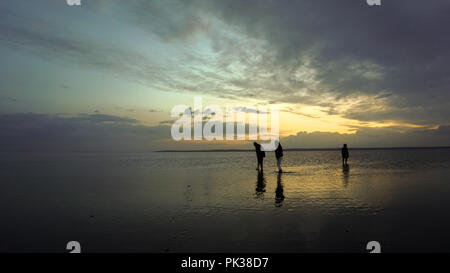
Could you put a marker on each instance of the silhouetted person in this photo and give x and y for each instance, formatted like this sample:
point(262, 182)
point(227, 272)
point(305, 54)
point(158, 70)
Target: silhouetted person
point(259, 155)
point(279, 196)
point(279, 155)
point(345, 155)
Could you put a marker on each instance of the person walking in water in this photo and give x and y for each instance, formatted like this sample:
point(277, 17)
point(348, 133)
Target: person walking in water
point(259, 155)
point(279, 155)
point(345, 155)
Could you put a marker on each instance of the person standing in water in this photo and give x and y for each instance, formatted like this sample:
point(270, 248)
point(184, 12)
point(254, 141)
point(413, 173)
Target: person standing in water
point(259, 155)
point(279, 155)
point(345, 155)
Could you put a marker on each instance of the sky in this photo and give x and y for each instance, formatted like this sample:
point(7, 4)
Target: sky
point(105, 75)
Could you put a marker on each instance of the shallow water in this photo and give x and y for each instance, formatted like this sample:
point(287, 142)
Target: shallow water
point(217, 201)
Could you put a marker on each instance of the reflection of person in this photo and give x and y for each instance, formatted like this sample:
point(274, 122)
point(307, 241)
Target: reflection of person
point(345, 154)
point(345, 174)
point(279, 196)
point(259, 155)
point(279, 155)
point(260, 185)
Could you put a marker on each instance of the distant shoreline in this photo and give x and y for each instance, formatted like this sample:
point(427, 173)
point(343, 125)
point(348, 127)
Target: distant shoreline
point(301, 149)
point(220, 150)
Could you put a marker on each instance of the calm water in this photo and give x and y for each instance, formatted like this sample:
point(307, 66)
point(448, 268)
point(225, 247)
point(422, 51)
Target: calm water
point(217, 202)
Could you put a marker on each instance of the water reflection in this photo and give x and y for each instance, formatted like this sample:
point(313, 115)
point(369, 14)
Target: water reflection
point(279, 195)
point(260, 185)
point(345, 174)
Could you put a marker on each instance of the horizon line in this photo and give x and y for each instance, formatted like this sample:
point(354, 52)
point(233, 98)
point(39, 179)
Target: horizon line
point(305, 149)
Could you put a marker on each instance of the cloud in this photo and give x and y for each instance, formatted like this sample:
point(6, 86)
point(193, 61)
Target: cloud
point(342, 49)
point(102, 118)
point(349, 59)
point(253, 110)
point(96, 132)
point(371, 137)
point(8, 100)
point(382, 96)
point(22, 29)
point(171, 20)
point(84, 132)
point(321, 53)
point(166, 122)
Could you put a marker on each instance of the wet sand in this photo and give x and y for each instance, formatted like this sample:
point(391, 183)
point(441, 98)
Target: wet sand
point(218, 202)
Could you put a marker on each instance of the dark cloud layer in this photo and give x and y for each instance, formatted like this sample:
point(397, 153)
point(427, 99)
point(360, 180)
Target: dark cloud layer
point(84, 132)
point(372, 137)
point(59, 133)
point(400, 48)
